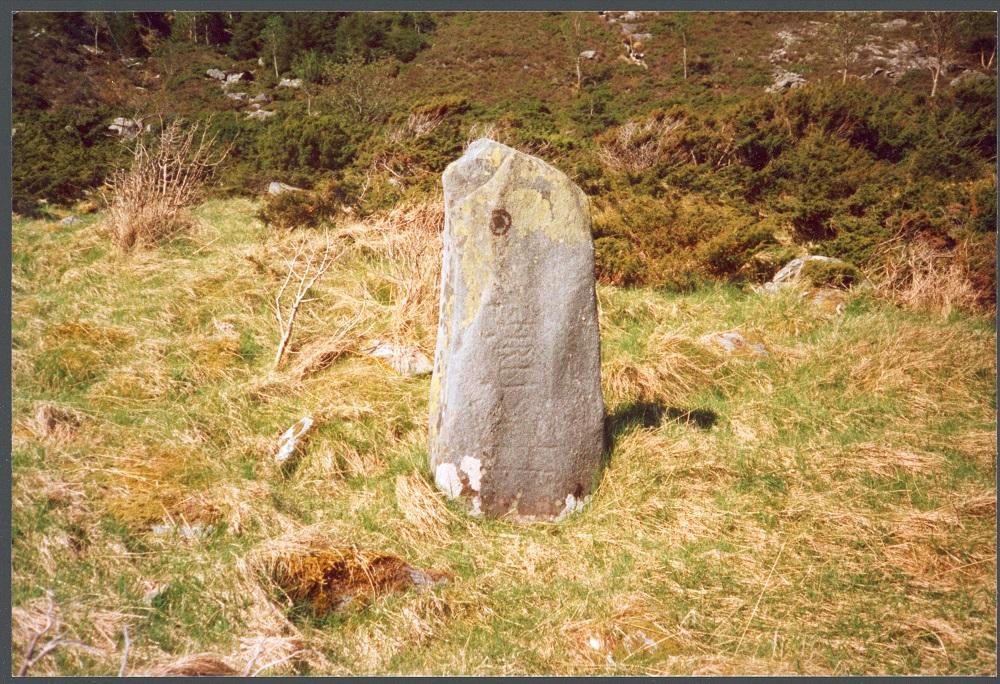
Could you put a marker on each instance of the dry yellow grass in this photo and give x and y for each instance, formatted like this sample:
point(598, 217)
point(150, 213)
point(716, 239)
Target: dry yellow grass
point(826, 509)
point(916, 275)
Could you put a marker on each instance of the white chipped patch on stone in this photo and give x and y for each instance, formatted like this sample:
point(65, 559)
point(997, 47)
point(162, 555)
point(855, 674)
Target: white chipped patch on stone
point(476, 508)
point(446, 478)
point(573, 505)
point(472, 468)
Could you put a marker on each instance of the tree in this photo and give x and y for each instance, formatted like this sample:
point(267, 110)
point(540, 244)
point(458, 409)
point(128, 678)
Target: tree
point(573, 36)
point(362, 91)
point(681, 24)
point(274, 36)
point(938, 36)
point(309, 66)
point(124, 31)
point(247, 28)
point(849, 32)
point(97, 20)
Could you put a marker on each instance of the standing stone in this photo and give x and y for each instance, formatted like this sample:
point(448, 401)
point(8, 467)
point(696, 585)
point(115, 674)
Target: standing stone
point(516, 412)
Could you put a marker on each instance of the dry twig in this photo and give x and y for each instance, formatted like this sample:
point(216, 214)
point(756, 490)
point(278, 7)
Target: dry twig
point(30, 657)
point(313, 268)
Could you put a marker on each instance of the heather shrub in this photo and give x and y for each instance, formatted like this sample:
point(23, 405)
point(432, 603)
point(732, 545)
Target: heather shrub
point(304, 208)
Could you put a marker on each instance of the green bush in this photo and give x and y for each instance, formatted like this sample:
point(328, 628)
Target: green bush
point(304, 208)
point(727, 253)
point(302, 148)
point(59, 154)
point(983, 209)
point(616, 262)
point(831, 274)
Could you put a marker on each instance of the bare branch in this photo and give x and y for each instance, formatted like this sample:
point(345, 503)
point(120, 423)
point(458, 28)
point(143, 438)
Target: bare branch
point(125, 649)
point(30, 657)
point(312, 270)
point(49, 622)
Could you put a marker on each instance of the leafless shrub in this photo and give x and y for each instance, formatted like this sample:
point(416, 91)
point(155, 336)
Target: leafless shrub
point(145, 200)
point(919, 276)
point(417, 124)
point(637, 146)
point(493, 130)
point(305, 274)
point(363, 91)
point(35, 651)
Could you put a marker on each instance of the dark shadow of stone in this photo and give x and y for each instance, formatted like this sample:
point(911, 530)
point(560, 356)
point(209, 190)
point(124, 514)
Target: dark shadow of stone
point(636, 414)
point(639, 414)
point(702, 418)
point(649, 414)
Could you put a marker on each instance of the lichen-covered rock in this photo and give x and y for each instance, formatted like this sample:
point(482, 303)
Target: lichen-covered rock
point(785, 80)
point(516, 412)
point(968, 76)
point(277, 188)
point(819, 271)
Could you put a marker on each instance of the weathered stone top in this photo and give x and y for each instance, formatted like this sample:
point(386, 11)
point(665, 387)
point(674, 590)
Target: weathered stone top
point(489, 169)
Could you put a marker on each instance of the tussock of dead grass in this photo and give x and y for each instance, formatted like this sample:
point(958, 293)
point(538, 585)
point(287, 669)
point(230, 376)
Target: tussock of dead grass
point(146, 484)
point(885, 461)
point(54, 421)
point(423, 509)
point(407, 241)
point(916, 275)
point(637, 145)
point(310, 570)
point(674, 369)
point(923, 546)
point(195, 665)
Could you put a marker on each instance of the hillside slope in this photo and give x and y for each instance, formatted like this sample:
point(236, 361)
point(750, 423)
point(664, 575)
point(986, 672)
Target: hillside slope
point(828, 507)
point(708, 177)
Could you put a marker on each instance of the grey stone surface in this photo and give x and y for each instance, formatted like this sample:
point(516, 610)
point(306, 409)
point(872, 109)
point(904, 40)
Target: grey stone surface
point(406, 360)
point(733, 342)
point(217, 74)
point(968, 75)
point(126, 127)
point(785, 80)
point(516, 411)
point(791, 272)
point(277, 187)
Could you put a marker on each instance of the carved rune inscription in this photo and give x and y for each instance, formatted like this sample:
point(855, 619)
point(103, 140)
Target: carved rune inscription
point(528, 445)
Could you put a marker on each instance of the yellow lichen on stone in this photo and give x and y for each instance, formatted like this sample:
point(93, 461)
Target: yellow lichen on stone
point(552, 209)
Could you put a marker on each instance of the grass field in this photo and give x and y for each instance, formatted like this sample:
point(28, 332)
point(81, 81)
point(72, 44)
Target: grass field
point(829, 508)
